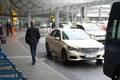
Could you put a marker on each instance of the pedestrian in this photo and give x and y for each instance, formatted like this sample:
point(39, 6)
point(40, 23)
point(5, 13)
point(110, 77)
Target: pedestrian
point(1, 30)
point(53, 25)
point(60, 25)
point(8, 27)
point(20, 26)
point(32, 37)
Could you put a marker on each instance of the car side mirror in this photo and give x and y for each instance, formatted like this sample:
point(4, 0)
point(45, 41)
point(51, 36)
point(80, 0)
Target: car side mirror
point(57, 38)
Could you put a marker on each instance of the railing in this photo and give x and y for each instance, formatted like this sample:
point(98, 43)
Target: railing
point(8, 69)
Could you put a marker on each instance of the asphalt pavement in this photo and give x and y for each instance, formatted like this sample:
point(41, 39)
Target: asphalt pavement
point(22, 59)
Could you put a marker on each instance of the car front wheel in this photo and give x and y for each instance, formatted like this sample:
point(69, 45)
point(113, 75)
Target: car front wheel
point(48, 50)
point(99, 61)
point(64, 57)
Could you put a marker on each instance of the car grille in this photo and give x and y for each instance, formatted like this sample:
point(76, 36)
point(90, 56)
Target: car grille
point(100, 35)
point(89, 50)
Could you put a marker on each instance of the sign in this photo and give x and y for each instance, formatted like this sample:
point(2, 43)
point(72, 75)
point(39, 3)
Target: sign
point(15, 18)
point(52, 18)
point(1, 9)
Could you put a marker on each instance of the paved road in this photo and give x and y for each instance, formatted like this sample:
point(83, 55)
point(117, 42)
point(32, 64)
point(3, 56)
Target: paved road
point(74, 70)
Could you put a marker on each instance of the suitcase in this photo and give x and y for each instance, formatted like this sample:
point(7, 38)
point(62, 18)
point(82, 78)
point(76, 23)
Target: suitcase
point(3, 40)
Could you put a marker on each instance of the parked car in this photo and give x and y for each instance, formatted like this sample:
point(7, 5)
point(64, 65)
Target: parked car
point(94, 31)
point(103, 25)
point(73, 45)
point(43, 28)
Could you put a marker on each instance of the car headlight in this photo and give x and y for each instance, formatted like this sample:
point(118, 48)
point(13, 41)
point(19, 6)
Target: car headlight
point(92, 36)
point(73, 48)
point(101, 49)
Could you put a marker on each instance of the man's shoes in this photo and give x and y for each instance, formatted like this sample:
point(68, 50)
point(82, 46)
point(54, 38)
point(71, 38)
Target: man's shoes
point(33, 63)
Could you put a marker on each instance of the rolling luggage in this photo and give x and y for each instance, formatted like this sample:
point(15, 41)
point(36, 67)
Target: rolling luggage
point(3, 40)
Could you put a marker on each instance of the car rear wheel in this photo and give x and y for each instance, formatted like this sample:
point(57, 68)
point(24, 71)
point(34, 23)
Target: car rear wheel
point(99, 61)
point(64, 57)
point(116, 76)
point(48, 51)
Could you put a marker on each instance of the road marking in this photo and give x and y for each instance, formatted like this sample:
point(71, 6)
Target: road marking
point(42, 59)
point(19, 57)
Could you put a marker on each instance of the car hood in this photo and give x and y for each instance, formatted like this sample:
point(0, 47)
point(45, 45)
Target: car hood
point(88, 43)
point(96, 32)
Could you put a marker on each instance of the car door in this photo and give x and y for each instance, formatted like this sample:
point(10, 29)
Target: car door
point(57, 43)
point(50, 40)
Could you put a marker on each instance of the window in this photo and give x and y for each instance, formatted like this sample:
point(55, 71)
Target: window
point(114, 30)
point(64, 36)
point(55, 33)
point(118, 34)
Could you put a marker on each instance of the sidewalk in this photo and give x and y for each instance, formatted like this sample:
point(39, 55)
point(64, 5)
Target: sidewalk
point(22, 59)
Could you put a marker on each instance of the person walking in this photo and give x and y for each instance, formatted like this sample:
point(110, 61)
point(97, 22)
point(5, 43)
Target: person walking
point(8, 27)
point(53, 25)
point(32, 37)
point(1, 31)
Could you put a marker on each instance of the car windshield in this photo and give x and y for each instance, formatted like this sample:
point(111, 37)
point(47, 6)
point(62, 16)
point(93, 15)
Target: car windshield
point(91, 27)
point(74, 35)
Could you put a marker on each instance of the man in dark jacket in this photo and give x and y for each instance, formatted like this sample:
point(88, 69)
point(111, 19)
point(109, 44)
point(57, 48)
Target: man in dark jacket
point(32, 37)
point(1, 29)
point(8, 27)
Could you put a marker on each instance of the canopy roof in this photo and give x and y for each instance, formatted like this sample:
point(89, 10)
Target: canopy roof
point(46, 7)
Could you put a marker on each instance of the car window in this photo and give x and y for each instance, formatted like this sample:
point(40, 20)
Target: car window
point(55, 33)
point(74, 35)
point(91, 27)
point(80, 27)
point(114, 31)
point(65, 37)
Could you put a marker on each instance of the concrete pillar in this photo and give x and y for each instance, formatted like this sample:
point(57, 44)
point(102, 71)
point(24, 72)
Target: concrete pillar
point(82, 13)
point(29, 18)
point(85, 12)
point(11, 17)
point(72, 14)
point(79, 16)
point(67, 13)
point(57, 18)
point(100, 14)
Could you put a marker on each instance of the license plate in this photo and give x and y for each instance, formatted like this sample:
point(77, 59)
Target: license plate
point(90, 56)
